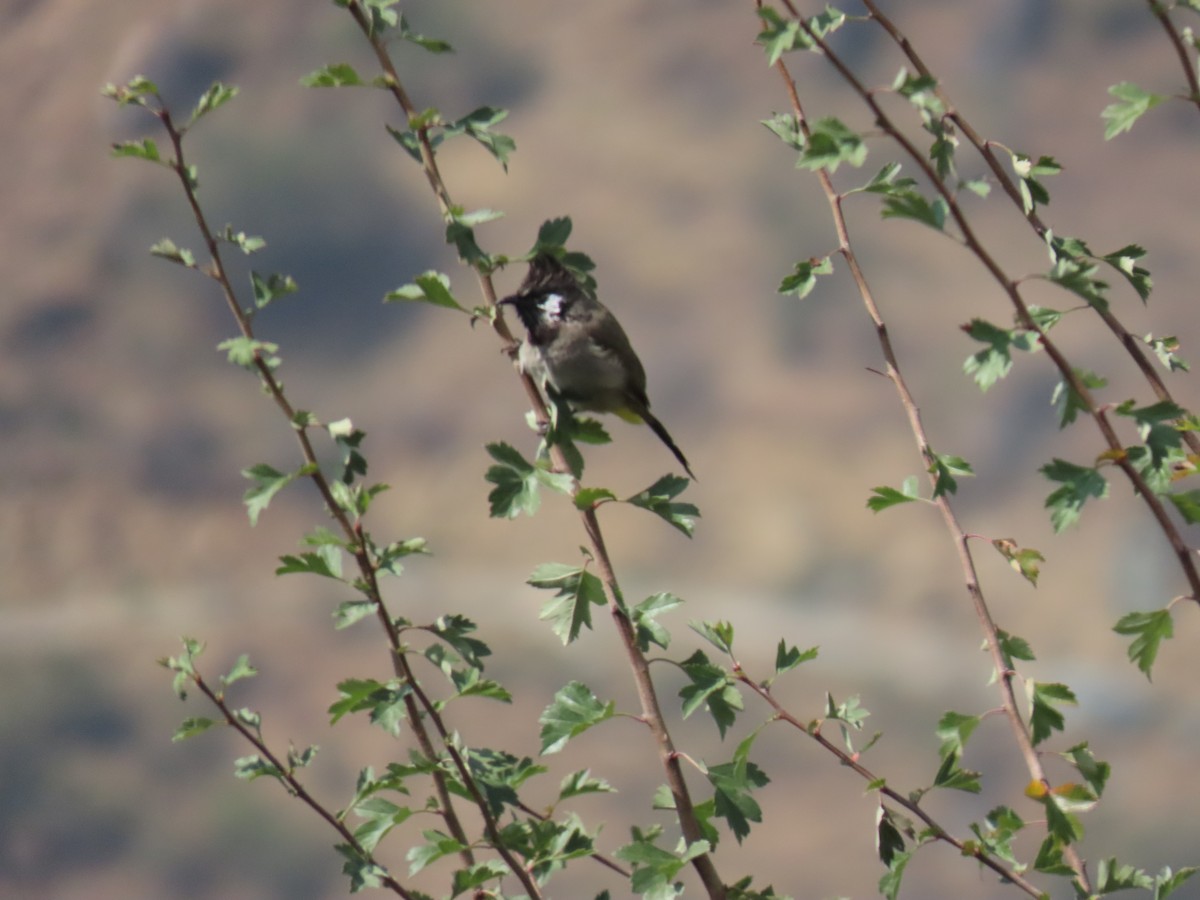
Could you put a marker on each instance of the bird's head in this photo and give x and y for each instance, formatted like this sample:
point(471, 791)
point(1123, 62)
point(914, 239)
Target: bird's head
point(546, 295)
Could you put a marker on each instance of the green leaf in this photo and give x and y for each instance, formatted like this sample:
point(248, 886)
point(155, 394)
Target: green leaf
point(1001, 825)
point(719, 634)
point(788, 658)
point(1050, 857)
point(909, 204)
point(1165, 349)
point(1188, 504)
point(954, 730)
point(383, 16)
point(362, 872)
point(804, 277)
point(779, 35)
point(1078, 276)
point(246, 352)
point(381, 815)
point(191, 727)
point(654, 869)
point(184, 666)
point(574, 710)
point(1168, 882)
point(711, 687)
point(477, 124)
point(271, 288)
point(580, 783)
point(1024, 560)
point(945, 466)
point(1125, 261)
point(457, 631)
point(1013, 647)
point(951, 776)
point(326, 562)
point(333, 75)
point(1112, 876)
point(886, 497)
point(889, 844)
point(517, 482)
point(785, 127)
point(994, 362)
point(659, 499)
point(831, 143)
point(732, 785)
point(134, 92)
point(1149, 630)
point(1095, 772)
point(1033, 193)
point(1079, 484)
point(1132, 103)
point(576, 591)
point(1155, 427)
point(384, 701)
point(552, 235)
point(167, 250)
point(241, 669)
point(254, 766)
point(1044, 716)
point(437, 845)
point(590, 498)
point(462, 237)
point(886, 182)
point(268, 482)
point(351, 611)
point(432, 45)
point(247, 243)
point(647, 629)
point(142, 149)
point(216, 96)
point(476, 875)
point(1069, 401)
point(432, 287)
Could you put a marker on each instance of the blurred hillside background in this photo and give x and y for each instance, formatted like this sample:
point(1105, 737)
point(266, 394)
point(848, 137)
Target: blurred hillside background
point(124, 430)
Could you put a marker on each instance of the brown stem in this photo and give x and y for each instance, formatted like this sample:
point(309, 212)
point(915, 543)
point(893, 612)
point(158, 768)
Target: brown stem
point(652, 713)
point(974, 849)
point(351, 530)
point(1132, 345)
point(1161, 12)
point(295, 786)
point(1012, 290)
point(1006, 676)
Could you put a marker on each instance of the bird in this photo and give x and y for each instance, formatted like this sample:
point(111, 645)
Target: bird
point(576, 347)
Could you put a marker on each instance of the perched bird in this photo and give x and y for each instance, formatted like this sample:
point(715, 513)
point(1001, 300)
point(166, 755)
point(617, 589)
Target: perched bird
point(577, 348)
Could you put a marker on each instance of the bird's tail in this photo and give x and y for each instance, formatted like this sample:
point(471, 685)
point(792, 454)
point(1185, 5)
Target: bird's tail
point(665, 436)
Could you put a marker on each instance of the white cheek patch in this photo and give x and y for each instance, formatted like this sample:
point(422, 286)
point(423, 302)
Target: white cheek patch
point(552, 306)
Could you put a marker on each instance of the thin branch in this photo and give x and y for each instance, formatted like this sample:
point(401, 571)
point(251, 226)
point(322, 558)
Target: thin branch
point(417, 702)
point(1010, 287)
point(973, 849)
point(297, 789)
point(1130, 342)
point(1161, 11)
point(651, 710)
point(961, 542)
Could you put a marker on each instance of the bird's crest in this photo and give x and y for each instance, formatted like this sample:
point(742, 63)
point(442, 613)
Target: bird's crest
point(547, 276)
